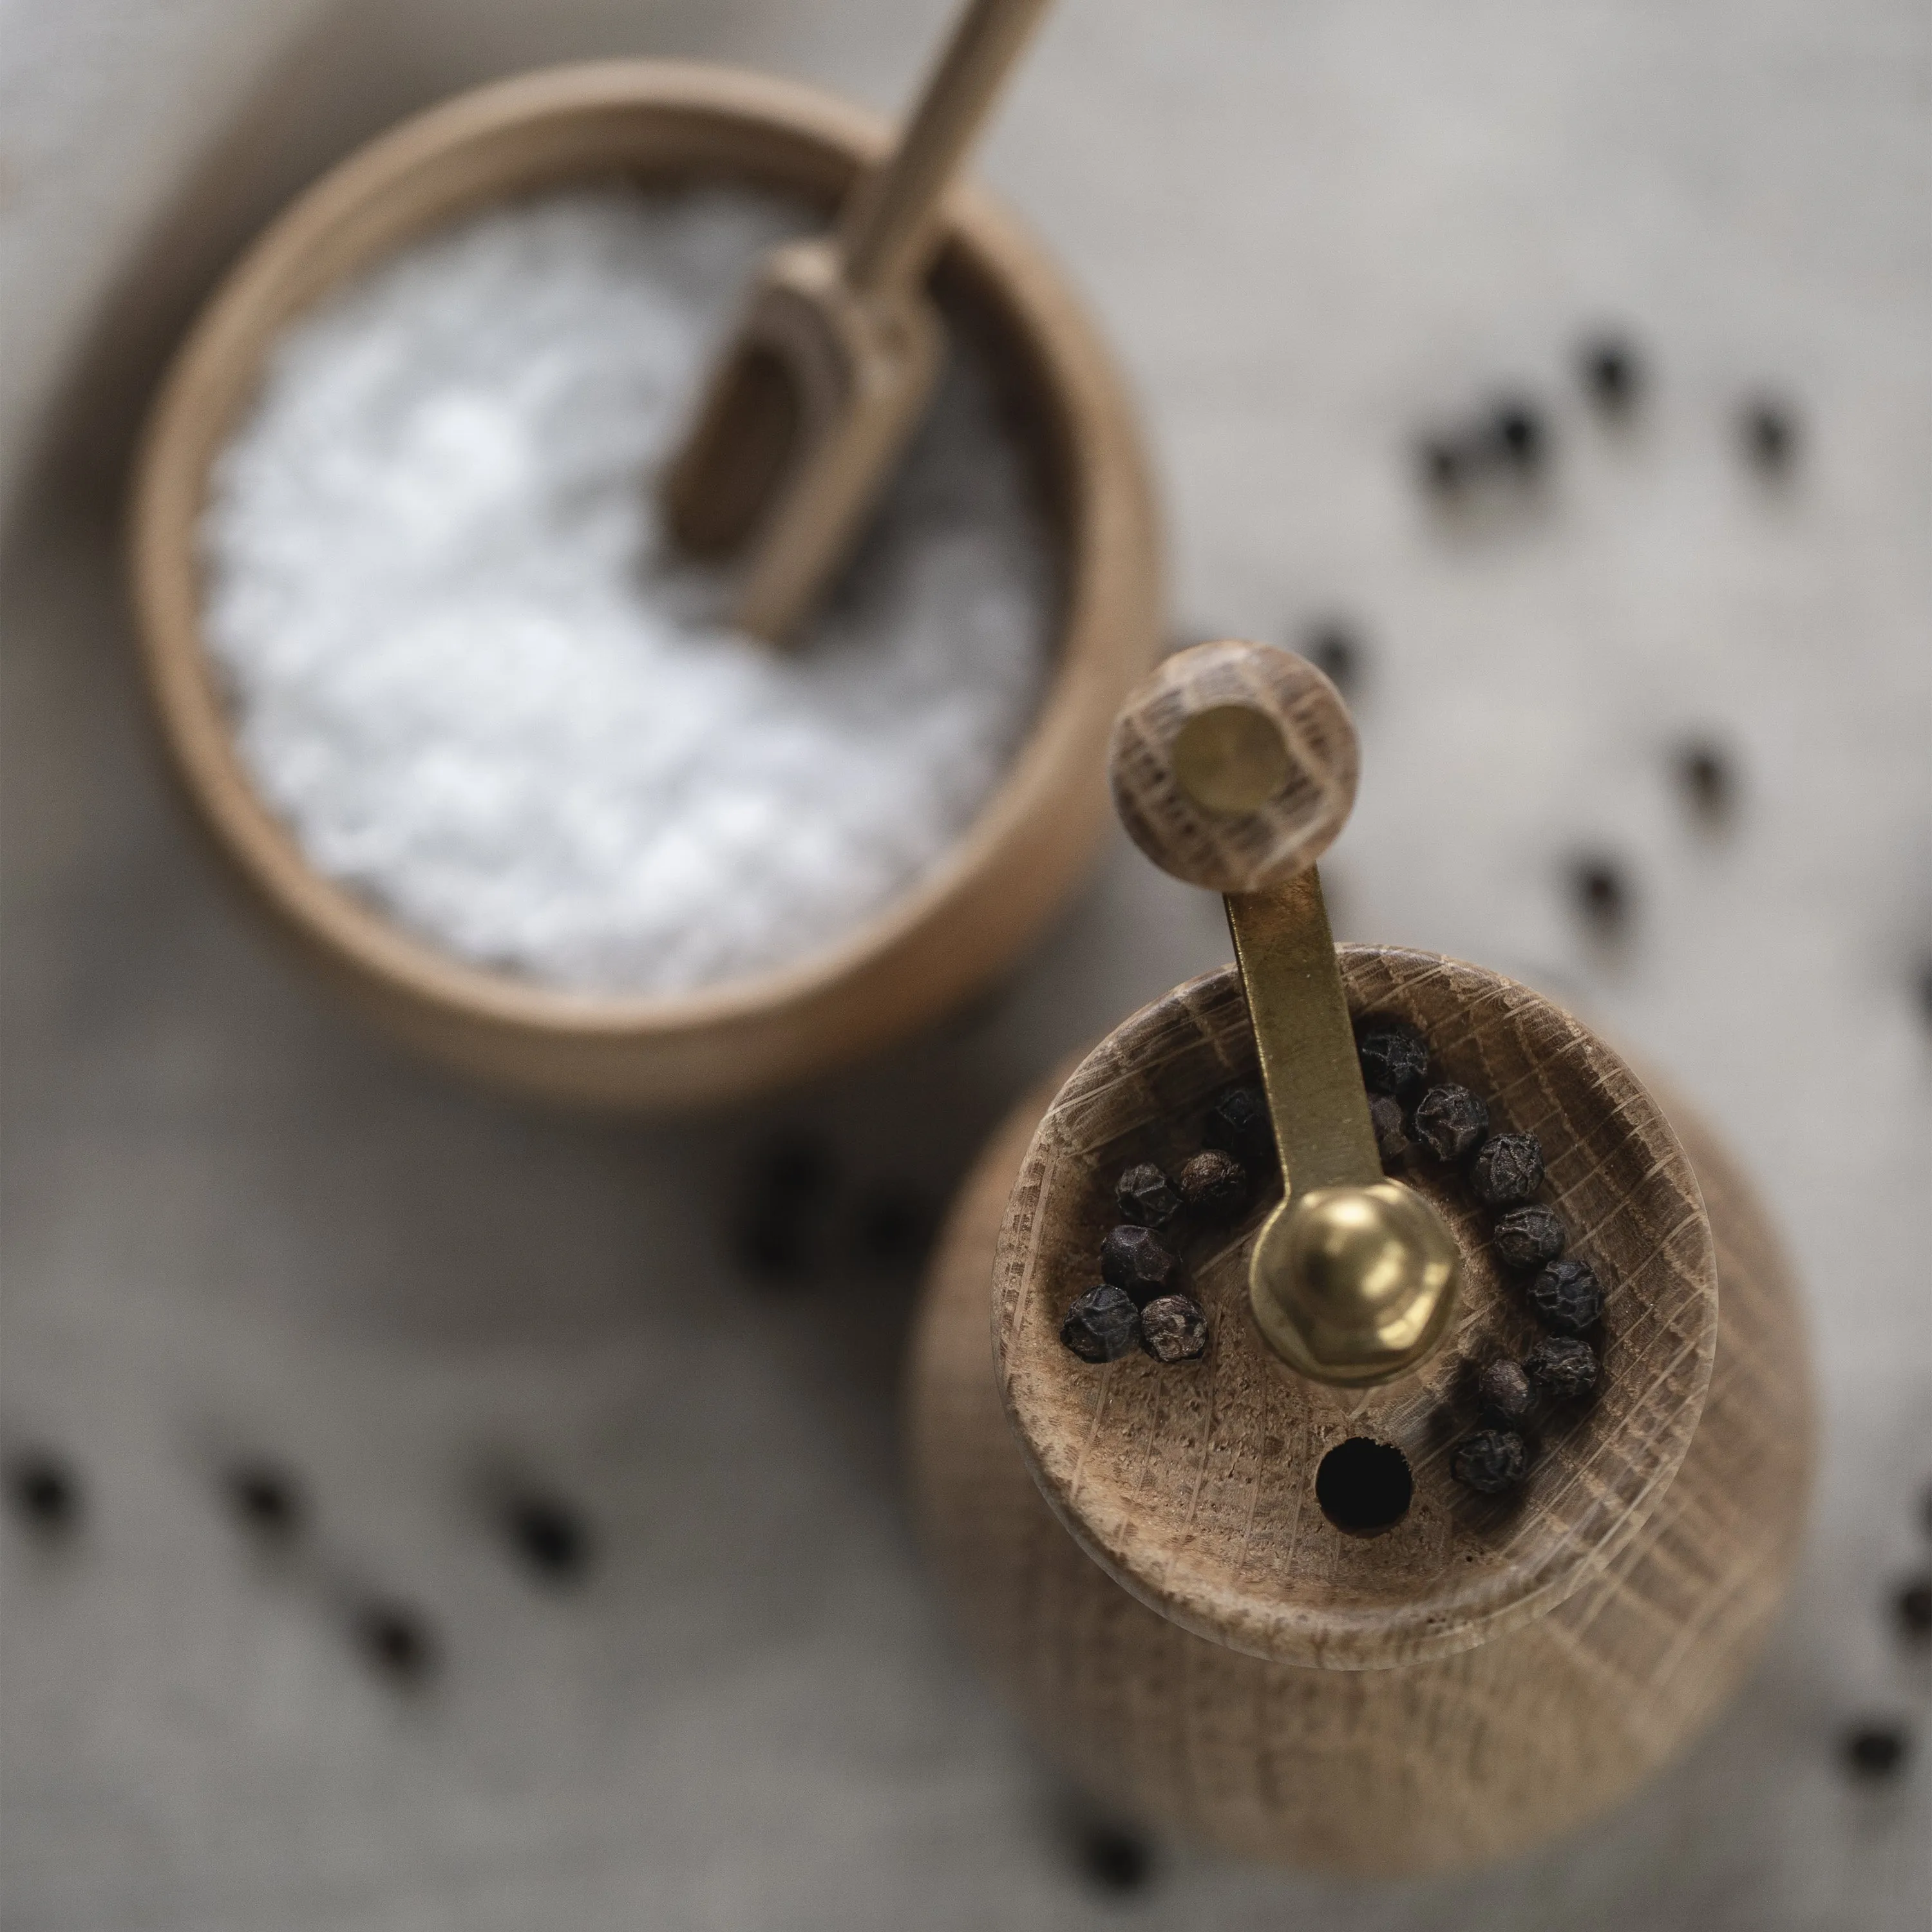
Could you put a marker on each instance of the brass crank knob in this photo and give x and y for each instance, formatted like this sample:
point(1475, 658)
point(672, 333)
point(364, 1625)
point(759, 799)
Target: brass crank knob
point(1234, 766)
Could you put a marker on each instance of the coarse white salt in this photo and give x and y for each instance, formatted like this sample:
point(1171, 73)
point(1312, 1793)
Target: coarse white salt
point(468, 670)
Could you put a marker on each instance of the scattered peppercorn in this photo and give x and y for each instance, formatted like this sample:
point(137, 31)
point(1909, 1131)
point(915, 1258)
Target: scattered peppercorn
point(1442, 464)
point(1877, 1747)
point(1563, 1367)
point(45, 1492)
point(1567, 1296)
point(1912, 1606)
point(1768, 431)
point(783, 1198)
point(1503, 1391)
point(893, 1224)
point(1393, 1059)
point(268, 1500)
point(1516, 433)
point(1386, 1117)
point(1508, 1167)
point(1138, 1260)
point(1613, 374)
point(774, 1242)
point(398, 1640)
point(549, 1536)
point(1490, 1461)
point(1705, 774)
point(1238, 1124)
point(1334, 650)
point(1451, 1122)
point(1214, 1185)
point(1144, 1194)
point(1529, 1236)
point(1601, 894)
point(1114, 1859)
point(1103, 1324)
point(1173, 1328)
point(792, 1167)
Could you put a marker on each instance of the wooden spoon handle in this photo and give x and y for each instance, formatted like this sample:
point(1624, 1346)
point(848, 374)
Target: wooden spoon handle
point(888, 221)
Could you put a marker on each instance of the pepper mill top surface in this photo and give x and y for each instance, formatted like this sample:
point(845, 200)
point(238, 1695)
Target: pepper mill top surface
point(1195, 1484)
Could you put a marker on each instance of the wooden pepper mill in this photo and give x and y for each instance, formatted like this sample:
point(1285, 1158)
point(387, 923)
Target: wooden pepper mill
point(1243, 1597)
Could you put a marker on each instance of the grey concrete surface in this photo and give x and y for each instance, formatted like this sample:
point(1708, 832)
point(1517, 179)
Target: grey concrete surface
point(231, 1219)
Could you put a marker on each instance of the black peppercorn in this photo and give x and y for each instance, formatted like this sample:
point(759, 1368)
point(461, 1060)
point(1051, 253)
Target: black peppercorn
point(267, 1500)
point(1173, 1328)
point(1563, 1367)
point(1442, 464)
point(1768, 431)
point(1567, 1296)
point(1516, 433)
point(1451, 1122)
point(396, 1639)
point(1137, 1260)
point(1144, 1194)
point(1613, 374)
point(551, 1537)
point(1876, 1748)
point(1912, 1606)
point(1704, 772)
point(1238, 1124)
point(1503, 1392)
point(44, 1491)
point(1103, 1324)
point(1508, 1167)
point(1393, 1059)
point(783, 1191)
point(1529, 1236)
point(1601, 895)
point(774, 1242)
point(1386, 1117)
point(1115, 1860)
point(791, 1167)
point(893, 1224)
point(1490, 1461)
point(1332, 648)
point(1214, 1185)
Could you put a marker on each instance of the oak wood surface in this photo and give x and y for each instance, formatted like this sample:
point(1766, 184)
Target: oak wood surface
point(662, 122)
point(1474, 1750)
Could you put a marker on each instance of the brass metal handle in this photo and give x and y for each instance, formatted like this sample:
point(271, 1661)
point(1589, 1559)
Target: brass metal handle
point(1234, 766)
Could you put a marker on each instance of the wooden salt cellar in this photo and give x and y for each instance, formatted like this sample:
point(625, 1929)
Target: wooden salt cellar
point(1137, 1551)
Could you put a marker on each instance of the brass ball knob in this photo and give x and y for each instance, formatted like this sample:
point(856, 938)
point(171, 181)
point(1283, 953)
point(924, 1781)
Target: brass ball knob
point(1354, 1285)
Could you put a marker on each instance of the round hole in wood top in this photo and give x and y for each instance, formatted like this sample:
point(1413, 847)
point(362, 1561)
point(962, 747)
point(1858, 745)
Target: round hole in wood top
point(1364, 1486)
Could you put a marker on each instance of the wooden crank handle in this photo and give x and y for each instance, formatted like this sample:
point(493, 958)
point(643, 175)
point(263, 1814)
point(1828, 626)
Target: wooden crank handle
point(1233, 766)
point(888, 222)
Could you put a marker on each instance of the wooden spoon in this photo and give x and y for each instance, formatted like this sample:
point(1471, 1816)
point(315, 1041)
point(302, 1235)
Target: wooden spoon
point(835, 355)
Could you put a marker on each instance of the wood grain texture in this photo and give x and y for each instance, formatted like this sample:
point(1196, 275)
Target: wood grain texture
point(1235, 851)
point(1466, 1755)
point(664, 123)
point(1192, 1485)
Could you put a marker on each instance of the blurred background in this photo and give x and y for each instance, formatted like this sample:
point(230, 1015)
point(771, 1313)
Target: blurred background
point(607, 1609)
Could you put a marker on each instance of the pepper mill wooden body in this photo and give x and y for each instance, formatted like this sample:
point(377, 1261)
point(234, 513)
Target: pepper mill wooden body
point(1137, 1550)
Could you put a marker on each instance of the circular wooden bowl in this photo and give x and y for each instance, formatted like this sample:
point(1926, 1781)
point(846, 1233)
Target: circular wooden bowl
point(1139, 1553)
point(662, 123)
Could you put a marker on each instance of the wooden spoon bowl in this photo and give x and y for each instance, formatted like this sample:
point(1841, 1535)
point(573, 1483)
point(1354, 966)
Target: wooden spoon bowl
point(661, 123)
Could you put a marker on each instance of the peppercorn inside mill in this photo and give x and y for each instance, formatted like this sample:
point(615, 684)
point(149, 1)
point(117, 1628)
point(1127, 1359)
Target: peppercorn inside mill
point(1368, 1473)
